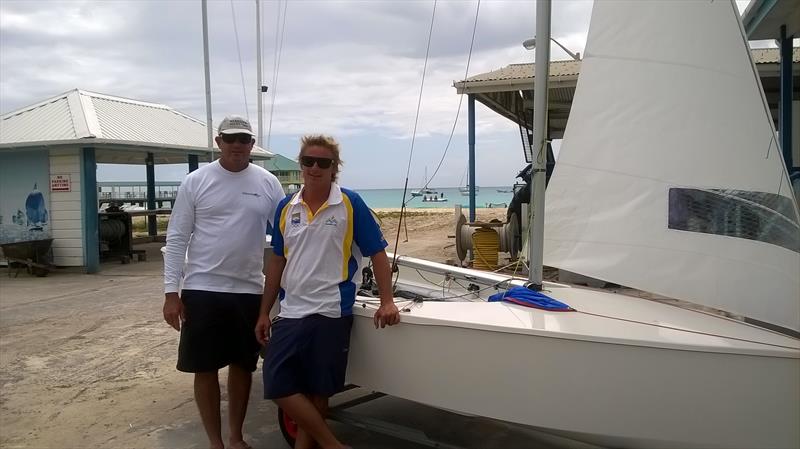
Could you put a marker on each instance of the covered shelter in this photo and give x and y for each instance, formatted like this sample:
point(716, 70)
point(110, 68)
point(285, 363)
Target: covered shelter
point(780, 20)
point(54, 146)
point(287, 171)
point(509, 92)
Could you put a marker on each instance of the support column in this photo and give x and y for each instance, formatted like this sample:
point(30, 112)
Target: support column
point(471, 177)
point(785, 103)
point(152, 228)
point(91, 239)
point(194, 162)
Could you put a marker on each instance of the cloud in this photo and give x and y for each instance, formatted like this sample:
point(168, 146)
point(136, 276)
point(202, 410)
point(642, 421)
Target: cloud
point(349, 68)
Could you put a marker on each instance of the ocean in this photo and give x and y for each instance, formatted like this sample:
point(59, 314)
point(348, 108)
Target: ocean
point(392, 198)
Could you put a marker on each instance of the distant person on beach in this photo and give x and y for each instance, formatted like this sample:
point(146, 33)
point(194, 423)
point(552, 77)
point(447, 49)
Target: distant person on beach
point(322, 233)
point(221, 214)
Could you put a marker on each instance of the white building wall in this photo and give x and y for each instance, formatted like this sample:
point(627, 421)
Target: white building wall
point(65, 210)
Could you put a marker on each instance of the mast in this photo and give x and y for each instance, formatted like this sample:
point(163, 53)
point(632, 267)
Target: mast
point(258, 74)
point(209, 124)
point(539, 147)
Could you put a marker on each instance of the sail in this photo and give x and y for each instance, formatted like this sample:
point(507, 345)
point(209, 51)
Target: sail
point(670, 178)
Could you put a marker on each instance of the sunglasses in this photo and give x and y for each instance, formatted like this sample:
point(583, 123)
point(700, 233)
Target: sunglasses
point(233, 138)
point(322, 162)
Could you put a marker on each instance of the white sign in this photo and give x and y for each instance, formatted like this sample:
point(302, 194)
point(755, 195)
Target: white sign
point(60, 183)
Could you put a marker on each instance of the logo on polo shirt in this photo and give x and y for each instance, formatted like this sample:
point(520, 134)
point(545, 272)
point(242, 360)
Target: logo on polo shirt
point(251, 194)
point(296, 219)
point(331, 221)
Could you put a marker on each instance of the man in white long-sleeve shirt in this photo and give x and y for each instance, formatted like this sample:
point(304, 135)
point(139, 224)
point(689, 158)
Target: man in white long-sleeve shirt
point(220, 215)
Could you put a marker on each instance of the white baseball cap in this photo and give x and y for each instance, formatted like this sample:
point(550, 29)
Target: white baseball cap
point(234, 124)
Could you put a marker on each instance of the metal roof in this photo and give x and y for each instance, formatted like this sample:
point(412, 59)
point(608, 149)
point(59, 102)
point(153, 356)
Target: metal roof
point(772, 55)
point(525, 71)
point(509, 90)
point(120, 129)
point(763, 19)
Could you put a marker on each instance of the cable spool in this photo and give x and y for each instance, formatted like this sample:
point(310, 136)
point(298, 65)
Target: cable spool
point(508, 236)
point(486, 244)
point(463, 237)
point(111, 229)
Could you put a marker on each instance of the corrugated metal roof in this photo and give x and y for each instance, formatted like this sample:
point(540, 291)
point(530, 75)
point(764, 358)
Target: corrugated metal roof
point(144, 122)
point(51, 120)
point(772, 55)
point(78, 115)
point(524, 71)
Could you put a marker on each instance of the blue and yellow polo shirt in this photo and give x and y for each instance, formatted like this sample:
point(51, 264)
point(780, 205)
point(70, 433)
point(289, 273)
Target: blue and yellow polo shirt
point(323, 252)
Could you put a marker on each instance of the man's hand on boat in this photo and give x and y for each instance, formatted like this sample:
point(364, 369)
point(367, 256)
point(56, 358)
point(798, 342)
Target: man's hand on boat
point(386, 315)
point(173, 310)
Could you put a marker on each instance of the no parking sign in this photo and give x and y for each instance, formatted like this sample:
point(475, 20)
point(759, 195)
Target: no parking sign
point(60, 183)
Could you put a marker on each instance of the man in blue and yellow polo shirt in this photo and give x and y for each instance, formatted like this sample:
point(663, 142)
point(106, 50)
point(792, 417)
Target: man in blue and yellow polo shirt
point(322, 233)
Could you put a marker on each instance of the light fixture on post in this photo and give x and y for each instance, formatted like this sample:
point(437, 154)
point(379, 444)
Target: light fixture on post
point(530, 44)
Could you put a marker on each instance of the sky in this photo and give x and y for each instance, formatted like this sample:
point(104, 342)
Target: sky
point(351, 69)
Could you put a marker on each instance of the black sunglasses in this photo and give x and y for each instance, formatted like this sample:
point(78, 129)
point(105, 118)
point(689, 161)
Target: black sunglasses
point(232, 138)
point(322, 162)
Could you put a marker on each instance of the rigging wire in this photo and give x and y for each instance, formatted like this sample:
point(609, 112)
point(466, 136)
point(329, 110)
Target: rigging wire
point(241, 67)
point(413, 138)
point(260, 87)
point(514, 275)
point(274, 65)
point(452, 131)
point(460, 102)
point(496, 286)
point(277, 61)
point(683, 329)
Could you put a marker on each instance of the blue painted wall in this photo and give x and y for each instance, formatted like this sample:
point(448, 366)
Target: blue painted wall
point(24, 196)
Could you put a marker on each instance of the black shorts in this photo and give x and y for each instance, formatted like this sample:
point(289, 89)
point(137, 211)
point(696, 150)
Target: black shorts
point(219, 330)
point(307, 355)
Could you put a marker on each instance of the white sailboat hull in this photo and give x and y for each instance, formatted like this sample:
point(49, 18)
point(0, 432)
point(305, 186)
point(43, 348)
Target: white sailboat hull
point(621, 381)
point(615, 395)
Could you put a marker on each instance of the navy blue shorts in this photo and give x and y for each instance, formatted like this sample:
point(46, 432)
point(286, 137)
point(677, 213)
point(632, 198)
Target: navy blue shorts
point(219, 330)
point(307, 355)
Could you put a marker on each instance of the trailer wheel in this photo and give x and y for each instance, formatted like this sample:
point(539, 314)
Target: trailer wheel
point(288, 427)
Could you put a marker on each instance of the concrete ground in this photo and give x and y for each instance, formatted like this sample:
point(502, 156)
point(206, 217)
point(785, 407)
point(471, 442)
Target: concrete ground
point(86, 361)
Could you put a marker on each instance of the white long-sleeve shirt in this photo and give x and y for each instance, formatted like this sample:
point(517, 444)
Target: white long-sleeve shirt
point(221, 216)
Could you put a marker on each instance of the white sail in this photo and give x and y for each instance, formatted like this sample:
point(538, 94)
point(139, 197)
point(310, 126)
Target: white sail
point(670, 178)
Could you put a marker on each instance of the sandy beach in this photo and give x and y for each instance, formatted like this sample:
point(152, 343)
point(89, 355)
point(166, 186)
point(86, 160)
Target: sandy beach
point(430, 231)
